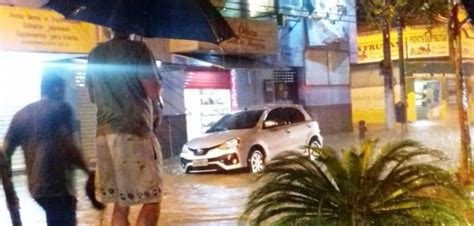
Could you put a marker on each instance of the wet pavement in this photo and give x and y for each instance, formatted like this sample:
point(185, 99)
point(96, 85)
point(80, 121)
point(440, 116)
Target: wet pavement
point(189, 199)
point(219, 199)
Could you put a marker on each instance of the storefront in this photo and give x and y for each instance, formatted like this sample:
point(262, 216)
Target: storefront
point(31, 40)
point(430, 81)
point(237, 76)
point(207, 97)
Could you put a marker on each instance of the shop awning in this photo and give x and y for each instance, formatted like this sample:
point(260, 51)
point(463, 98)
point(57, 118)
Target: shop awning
point(24, 3)
point(45, 31)
point(436, 67)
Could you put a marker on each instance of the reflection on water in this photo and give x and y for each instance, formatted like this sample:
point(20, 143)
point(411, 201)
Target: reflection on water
point(202, 199)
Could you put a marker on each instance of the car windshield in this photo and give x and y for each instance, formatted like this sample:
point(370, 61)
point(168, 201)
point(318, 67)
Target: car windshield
point(240, 120)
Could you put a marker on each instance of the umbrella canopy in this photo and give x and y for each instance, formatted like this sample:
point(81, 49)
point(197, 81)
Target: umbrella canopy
point(178, 19)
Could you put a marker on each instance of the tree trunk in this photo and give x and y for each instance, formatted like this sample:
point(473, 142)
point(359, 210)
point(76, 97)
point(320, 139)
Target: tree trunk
point(387, 71)
point(462, 98)
point(401, 60)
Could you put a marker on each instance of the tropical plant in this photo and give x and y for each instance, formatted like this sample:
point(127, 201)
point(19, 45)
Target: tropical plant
point(401, 12)
point(391, 187)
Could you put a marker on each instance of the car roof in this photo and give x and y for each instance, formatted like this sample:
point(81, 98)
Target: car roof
point(268, 107)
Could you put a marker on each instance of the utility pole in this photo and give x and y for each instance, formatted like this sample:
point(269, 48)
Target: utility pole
point(455, 45)
point(387, 70)
point(401, 64)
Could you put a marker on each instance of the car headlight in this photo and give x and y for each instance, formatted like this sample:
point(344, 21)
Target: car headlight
point(230, 144)
point(185, 149)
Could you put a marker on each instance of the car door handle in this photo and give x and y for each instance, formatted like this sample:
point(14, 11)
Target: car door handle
point(309, 126)
point(288, 131)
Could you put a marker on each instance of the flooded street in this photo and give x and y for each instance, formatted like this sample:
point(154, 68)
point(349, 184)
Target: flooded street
point(219, 198)
point(225, 85)
point(189, 199)
point(211, 199)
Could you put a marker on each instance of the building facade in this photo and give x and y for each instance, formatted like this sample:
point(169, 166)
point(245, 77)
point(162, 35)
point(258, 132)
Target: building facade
point(296, 51)
point(430, 80)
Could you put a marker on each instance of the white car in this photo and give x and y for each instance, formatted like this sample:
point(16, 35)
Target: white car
point(250, 138)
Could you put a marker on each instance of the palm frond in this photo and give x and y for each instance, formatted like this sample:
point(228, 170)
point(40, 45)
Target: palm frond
point(359, 187)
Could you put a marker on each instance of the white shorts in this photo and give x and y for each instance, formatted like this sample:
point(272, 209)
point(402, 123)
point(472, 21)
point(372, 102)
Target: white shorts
point(129, 169)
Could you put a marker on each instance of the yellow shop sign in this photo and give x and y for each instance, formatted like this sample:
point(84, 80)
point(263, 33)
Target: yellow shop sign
point(419, 42)
point(425, 42)
point(370, 47)
point(37, 30)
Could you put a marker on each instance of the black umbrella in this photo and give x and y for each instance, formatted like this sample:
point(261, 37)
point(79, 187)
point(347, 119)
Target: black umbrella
point(178, 19)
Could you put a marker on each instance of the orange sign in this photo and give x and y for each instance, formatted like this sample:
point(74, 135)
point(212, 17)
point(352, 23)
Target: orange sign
point(255, 37)
point(39, 30)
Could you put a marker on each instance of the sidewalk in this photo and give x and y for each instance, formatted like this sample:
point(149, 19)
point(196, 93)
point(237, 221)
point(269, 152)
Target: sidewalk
point(433, 134)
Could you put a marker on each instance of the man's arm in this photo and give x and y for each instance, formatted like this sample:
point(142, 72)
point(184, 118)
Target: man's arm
point(11, 142)
point(148, 74)
point(89, 85)
point(152, 88)
point(72, 152)
point(12, 200)
point(90, 91)
point(5, 158)
point(13, 203)
point(91, 69)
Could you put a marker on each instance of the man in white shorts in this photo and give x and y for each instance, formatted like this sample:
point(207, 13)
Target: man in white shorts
point(122, 80)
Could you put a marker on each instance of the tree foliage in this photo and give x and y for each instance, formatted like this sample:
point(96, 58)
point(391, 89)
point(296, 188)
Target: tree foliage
point(371, 13)
point(358, 188)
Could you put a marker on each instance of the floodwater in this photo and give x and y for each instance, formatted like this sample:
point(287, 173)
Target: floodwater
point(189, 199)
point(219, 199)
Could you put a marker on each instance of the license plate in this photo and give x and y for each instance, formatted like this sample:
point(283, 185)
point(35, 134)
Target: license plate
point(200, 162)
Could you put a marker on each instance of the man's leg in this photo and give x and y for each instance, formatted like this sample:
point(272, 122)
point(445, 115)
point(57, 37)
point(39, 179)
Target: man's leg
point(149, 214)
point(60, 211)
point(120, 215)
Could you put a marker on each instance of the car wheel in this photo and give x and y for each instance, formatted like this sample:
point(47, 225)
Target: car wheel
point(256, 161)
point(314, 143)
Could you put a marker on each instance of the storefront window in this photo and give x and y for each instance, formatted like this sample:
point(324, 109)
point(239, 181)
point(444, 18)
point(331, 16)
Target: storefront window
point(258, 7)
point(292, 4)
point(286, 90)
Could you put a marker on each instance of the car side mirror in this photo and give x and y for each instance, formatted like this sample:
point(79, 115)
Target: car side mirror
point(269, 124)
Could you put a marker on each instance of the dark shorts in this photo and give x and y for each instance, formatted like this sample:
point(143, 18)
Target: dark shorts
point(60, 211)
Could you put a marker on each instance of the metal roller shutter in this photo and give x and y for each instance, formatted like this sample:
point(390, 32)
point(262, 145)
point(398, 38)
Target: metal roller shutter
point(86, 112)
point(207, 80)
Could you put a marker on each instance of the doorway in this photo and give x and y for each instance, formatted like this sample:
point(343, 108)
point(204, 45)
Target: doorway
point(428, 99)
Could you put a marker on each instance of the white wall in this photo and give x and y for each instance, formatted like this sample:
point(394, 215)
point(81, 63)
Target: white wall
point(327, 78)
point(250, 87)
